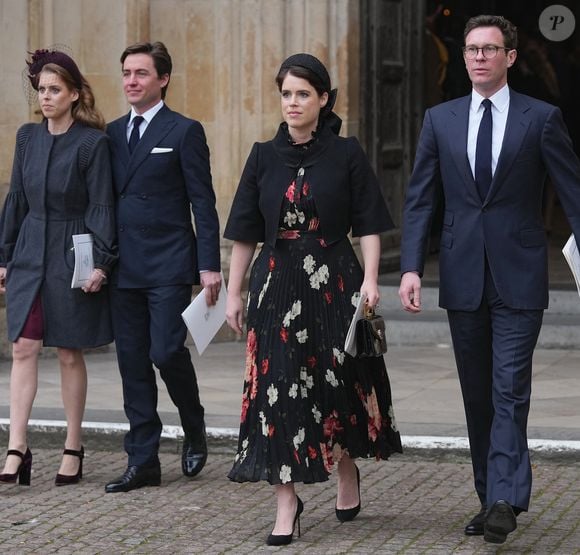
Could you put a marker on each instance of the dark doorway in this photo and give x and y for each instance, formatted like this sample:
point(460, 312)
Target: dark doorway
point(391, 101)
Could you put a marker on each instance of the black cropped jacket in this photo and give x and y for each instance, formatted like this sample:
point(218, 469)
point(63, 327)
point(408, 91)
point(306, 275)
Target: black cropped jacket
point(344, 187)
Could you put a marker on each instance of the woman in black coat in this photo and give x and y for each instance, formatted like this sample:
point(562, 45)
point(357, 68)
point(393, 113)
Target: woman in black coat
point(306, 403)
point(61, 185)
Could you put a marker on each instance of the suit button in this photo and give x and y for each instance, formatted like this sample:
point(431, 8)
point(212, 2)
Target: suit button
point(122, 196)
point(143, 197)
point(121, 228)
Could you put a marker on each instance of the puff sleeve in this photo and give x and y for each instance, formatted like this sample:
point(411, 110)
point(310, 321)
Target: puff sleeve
point(100, 211)
point(369, 213)
point(16, 204)
point(246, 222)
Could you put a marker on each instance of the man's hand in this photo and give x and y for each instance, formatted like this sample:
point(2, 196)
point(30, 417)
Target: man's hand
point(410, 292)
point(2, 280)
point(212, 283)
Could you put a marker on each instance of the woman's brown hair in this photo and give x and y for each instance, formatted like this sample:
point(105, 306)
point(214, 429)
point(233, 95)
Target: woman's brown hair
point(83, 109)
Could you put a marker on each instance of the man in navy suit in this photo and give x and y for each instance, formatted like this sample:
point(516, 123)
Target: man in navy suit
point(161, 172)
point(490, 159)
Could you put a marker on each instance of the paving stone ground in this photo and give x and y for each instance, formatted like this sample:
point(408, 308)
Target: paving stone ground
point(414, 503)
point(417, 503)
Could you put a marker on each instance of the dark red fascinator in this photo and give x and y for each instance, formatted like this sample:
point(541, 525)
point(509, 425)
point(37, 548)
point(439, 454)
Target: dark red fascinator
point(42, 57)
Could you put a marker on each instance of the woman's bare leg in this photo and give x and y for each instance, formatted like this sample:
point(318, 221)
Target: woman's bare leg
point(347, 495)
point(23, 386)
point(286, 511)
point(73, 384)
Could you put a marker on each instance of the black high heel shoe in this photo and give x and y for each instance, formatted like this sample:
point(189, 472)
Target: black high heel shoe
point(344, 515)
point(65, 479)
point(24, 469)
point(285, 539)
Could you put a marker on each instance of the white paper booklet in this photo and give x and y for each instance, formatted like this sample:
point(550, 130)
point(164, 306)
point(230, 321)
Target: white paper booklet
point(350, 341)
point(203, 321)
point(572, 256)
point(84, 264)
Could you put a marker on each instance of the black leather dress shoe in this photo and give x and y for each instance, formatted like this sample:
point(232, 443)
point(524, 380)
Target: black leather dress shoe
point(475, 525)
point(135, 477)
point(499, 522)
point(194, 454)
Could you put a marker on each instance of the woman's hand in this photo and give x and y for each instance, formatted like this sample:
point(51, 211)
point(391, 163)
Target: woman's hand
point(95, 281)
point(370, 288)
point(242, 254)
point(235, 312)
point(371, 251)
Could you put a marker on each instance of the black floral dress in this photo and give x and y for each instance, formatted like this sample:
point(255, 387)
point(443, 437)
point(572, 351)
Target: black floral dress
point(305, 400)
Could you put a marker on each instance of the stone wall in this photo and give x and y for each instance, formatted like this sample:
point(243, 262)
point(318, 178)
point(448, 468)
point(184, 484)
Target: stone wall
point(226, 54)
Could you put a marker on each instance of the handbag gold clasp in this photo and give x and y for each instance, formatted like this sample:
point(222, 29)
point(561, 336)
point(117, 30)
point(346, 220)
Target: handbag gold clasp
point(368, 312)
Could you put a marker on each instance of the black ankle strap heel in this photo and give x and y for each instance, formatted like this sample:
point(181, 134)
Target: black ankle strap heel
point(65, 479)
point(24, 470)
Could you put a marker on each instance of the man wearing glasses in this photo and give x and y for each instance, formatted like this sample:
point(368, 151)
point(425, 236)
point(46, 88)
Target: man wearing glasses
point(489, 154)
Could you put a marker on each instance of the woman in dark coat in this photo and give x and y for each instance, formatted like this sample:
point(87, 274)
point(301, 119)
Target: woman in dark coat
point(61, 185)
point(306, 403)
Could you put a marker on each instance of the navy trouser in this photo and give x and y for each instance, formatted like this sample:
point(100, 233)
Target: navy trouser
point(493, 349)
point(149, 331)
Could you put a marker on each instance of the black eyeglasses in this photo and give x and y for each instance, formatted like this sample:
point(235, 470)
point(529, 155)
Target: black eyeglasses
point(489, 51)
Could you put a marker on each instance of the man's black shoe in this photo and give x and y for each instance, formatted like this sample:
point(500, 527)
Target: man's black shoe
point(194, 454)
point(135, 477)
point(475, 525)
point(499, 522)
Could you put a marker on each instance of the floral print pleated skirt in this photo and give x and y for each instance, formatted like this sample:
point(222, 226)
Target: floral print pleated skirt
point(304, 399)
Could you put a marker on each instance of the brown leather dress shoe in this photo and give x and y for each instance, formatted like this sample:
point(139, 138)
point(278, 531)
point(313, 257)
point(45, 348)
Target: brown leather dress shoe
point(475, 525)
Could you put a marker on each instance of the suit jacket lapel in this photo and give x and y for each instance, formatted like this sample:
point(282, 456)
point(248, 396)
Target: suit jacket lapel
point(457, 133)
point(117, 131)
point(160, 126)
point(517, 125)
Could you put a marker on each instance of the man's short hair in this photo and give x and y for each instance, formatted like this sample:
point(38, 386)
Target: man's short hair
point(157, 51)
point(507, 28)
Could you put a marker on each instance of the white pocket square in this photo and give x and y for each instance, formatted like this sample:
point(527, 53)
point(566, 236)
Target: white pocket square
point(160, 150)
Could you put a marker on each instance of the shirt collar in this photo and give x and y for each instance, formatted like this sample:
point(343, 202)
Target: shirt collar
point(500, 100)
point(148, 115)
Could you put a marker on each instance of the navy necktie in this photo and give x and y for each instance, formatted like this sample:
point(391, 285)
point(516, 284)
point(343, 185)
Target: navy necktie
point(483, 152)
point(134, 138)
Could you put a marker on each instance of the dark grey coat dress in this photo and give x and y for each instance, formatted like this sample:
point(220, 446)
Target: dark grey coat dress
point(61, 185)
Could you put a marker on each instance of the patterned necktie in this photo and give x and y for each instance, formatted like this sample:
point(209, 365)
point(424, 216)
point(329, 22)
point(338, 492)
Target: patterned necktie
point(134, 138)
point(483, 152)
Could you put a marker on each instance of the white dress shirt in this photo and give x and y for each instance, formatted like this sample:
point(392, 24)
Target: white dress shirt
point(147, 117)
point(500, 103)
